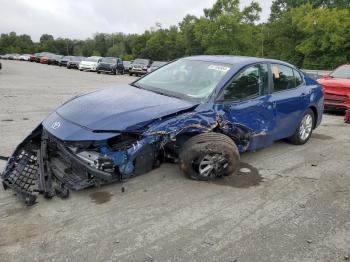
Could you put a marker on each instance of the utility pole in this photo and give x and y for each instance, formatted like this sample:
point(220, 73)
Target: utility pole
point(67, 47)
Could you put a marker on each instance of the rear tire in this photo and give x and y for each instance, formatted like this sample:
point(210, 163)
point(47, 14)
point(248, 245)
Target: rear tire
point(304, 130)
point(209, 155)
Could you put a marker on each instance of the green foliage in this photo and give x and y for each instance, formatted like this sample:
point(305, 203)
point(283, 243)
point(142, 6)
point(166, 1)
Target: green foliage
point(309, 33)
point(128, 58)
point(280, 6)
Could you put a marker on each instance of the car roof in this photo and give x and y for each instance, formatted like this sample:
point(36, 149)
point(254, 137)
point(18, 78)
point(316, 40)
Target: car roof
point(236, 60)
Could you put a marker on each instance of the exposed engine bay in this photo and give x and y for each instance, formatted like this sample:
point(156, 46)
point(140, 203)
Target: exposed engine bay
point(43, 164)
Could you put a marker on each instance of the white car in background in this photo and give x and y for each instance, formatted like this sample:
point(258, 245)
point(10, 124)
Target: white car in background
point(25, 57)
point(90, 63)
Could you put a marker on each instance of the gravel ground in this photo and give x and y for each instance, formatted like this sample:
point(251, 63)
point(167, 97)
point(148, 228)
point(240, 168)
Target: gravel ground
point(292, 206)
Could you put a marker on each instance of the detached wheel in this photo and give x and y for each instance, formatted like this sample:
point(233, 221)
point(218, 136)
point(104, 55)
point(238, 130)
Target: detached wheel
point(209, 155)
point(304, 130)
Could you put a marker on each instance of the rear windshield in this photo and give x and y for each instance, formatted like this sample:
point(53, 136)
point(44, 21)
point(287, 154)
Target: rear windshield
point(77, 59)
point(141, 61)
point(159, 64)
point(109, 60)
point(342, 72)
point(67, 58)
point(91, 59)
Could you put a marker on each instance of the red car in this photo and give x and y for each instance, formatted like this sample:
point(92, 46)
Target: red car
point(32, 57)
point(337, 89)
point(44, 59)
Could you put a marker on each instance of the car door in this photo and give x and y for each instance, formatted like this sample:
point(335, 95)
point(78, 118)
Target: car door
point(247, 102)
point(289, 96)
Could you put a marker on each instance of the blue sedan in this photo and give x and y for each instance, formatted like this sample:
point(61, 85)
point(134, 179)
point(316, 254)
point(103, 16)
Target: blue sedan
point(201, 111)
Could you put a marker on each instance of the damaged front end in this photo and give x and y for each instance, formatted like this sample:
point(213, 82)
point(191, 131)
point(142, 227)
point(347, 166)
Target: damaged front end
point(43, 164)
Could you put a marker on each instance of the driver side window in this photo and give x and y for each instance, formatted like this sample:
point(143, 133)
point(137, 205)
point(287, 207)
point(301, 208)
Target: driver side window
point(251, 82)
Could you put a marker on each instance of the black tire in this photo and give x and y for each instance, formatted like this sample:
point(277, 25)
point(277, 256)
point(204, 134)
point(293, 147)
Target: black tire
point(297, 138)
point(130, 74)
point(98, 72)
point(114, 72)
point(217, 146)
point(122, 72)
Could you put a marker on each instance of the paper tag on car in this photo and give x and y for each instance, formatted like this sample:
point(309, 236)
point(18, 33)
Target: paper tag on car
point(218, 68)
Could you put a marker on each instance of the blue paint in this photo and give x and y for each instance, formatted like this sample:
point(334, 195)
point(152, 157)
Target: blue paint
point(254, 123)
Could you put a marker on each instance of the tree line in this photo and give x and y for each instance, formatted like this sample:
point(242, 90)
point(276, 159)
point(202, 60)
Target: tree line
point(313, 34)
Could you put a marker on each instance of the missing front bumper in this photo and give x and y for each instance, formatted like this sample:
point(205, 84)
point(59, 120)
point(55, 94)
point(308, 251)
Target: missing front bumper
point(43, 165)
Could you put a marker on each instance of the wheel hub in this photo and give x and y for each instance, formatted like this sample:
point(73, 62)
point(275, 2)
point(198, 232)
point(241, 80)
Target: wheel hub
point(305, 127)
point(212, 165)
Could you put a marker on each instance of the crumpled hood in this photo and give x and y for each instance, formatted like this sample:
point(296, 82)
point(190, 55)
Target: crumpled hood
point(120, 108)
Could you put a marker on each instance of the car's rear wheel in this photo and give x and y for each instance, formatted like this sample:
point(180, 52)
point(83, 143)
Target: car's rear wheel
point(305, 129)
point(98, 72)
point(209, 155)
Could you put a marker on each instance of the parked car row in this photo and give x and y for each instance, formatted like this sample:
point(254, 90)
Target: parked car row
point(10, 56)
point(111, 65)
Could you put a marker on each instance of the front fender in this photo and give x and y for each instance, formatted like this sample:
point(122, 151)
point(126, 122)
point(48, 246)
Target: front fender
point(189, 122)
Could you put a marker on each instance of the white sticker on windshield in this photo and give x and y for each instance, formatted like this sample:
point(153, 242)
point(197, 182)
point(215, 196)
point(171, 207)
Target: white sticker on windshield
point(218, 68)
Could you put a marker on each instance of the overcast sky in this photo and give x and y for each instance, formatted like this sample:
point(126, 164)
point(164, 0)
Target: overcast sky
point(80, 19)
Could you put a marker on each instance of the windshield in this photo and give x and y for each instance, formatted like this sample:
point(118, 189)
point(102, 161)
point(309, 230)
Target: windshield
point(91, 59)
point(188, 79)
point(342, 72)
point(109, 60)
point(158, 64)
point(141, 61)
point(77, 59)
